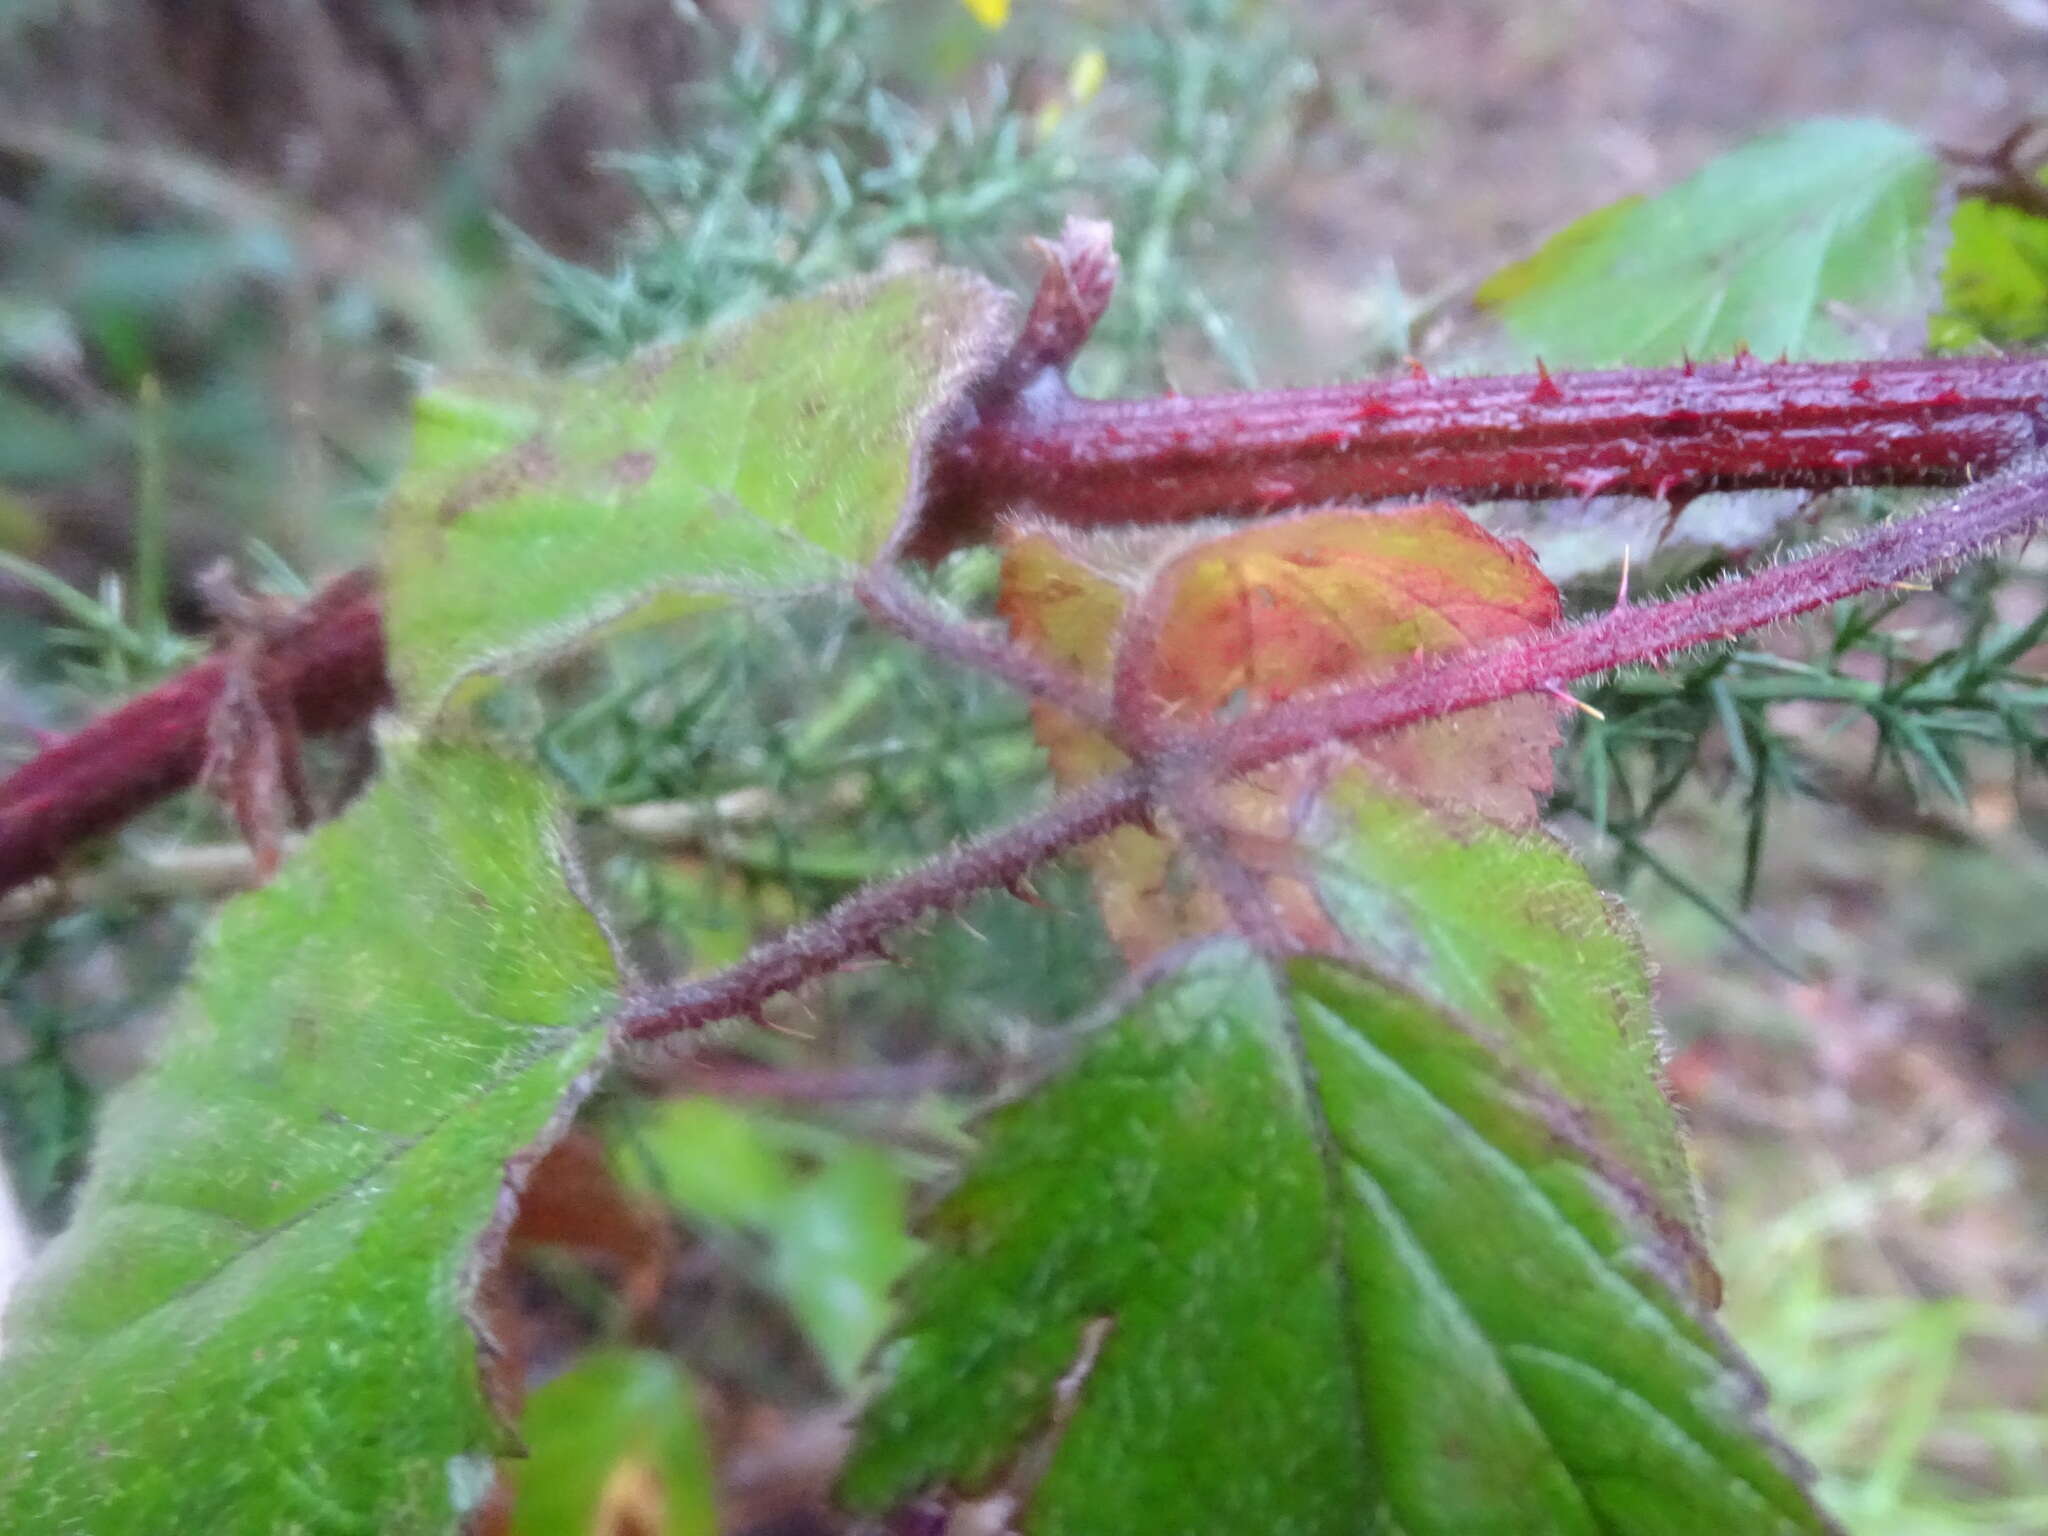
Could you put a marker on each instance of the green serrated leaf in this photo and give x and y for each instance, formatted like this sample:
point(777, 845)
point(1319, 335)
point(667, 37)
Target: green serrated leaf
point(760, 458)
point(1995, 283)
point(257, 1321)
point(618, 1422)
point(1510, 1291)
point(1290, 1251)
point(1168, 1180)
point(1760, 248)
point(1506, 930)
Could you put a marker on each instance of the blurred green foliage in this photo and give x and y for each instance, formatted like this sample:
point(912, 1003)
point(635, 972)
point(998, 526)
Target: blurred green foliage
point(1943, 703)
point(816, 1215)
point(1887, 1393)
point(614, 1443)
point(1995, 283)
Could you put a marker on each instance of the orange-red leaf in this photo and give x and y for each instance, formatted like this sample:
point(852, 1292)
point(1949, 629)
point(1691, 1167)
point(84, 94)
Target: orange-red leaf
point(1251, 617)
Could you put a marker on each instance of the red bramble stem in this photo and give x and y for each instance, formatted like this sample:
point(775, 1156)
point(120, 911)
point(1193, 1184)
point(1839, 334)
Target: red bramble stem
point(1669, 432)
point(329, 664)
point(858, 924)
point(2011, 506)
point(892, 603)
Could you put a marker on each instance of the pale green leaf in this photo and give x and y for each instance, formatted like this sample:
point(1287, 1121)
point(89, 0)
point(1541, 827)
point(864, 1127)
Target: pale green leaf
point(621, 1423)
point(258, 1319)
point(841, 1243)
point(830, 1214)
point(712, 1160)
point(1775, 245)
point(761, 458)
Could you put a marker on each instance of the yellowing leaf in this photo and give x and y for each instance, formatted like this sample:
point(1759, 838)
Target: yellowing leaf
point(632, 1503)
point(1995, 285)
point(1086, 74)
point(1342, 595)
point(1062, 602)
point(1255, 616)
point(990, 13)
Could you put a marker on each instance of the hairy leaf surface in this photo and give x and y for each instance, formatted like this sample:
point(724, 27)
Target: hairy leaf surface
point(1168, 1181)
point(1507, 930)
point(759, 458)
point(1290, 1250)
point(1773, 246)
point(258, 1319)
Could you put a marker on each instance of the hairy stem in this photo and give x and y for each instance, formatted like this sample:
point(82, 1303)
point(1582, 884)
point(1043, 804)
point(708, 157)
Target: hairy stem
point(858, 924)
point(2012, 506)
point(1669, 432)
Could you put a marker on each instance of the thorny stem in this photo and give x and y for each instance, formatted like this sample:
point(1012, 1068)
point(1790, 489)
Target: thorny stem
point(1021, 437)
point(1664, 432)
point(858, 924)
point(2011, 506)
point(1669, 433)
point(1135, 648)
point(2008, 507)
point(1202, 832)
